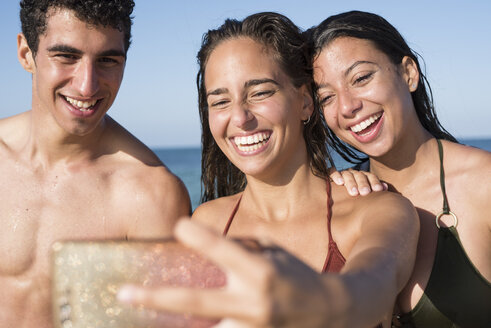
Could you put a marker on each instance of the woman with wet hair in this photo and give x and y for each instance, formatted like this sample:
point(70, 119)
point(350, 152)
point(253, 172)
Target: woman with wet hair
point(322, 258)
point(376, 99)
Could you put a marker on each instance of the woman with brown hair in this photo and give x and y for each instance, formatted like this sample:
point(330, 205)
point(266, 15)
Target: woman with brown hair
point(265, 177)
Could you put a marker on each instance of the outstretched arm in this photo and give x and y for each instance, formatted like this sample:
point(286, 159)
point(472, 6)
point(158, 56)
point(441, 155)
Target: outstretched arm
point(273, 288)
point(381, 261)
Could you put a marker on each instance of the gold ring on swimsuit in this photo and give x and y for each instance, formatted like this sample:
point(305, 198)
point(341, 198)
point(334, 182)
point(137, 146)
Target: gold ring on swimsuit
point(455, 221)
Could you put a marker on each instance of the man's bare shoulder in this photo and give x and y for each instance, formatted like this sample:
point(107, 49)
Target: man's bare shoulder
point(143, 185)
point(215, 213)
point(11, 130)
point(119, 144)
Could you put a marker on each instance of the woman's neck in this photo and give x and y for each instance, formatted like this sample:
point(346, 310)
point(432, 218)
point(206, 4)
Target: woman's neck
point(281, 201)
point(404, 164)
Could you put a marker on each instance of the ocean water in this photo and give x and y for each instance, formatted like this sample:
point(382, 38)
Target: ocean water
point(186, 164)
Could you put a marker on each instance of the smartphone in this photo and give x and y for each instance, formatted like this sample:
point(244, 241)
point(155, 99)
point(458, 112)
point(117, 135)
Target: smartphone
point(86, 276)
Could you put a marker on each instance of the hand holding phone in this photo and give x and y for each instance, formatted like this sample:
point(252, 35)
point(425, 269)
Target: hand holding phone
point(87, 275)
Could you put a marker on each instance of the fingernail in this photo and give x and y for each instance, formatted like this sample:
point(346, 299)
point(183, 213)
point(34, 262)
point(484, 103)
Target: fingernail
point(339, 181)
point(126, 294)
point(386, 186)
point(364, 191)
point(378, 187)
point(354, 191)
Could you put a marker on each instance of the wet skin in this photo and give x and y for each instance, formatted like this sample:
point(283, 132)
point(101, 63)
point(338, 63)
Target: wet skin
point(357, 81)
point(68, 170)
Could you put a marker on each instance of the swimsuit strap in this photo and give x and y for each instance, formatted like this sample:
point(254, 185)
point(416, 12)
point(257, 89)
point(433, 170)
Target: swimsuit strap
point(446, 208)
point(332, 247)
point(231, 218)
point(329, 210)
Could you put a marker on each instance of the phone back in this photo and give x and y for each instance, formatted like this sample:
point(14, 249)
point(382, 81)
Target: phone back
point(87, 275)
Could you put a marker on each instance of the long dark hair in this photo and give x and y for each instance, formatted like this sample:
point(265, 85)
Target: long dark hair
point(386, 38)
point(285, 42)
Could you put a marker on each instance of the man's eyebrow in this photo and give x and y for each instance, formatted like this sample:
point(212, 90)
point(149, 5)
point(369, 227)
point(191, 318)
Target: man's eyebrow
point(252, 83)
point(68, 49)
point(113, 53)
point(64, 48)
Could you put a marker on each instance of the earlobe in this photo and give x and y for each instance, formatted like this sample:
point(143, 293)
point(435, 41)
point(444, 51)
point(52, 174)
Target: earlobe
point(411, 73)
point(24, 53)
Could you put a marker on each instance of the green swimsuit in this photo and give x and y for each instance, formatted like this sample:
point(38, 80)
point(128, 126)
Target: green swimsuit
point(457, 295)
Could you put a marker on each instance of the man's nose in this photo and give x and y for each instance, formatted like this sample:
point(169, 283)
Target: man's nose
point(86, 79)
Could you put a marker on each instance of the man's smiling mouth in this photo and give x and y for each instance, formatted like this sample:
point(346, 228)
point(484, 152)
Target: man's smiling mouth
point(81, 105)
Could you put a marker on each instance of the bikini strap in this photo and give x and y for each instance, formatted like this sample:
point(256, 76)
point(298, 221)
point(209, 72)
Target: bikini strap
point(446, 207)
point(329, 210)
point(231, 218)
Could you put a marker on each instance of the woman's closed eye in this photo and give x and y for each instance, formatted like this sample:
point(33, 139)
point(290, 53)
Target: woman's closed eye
point(364, 78)
point(325, 99)
point(218, 103)
point(261, 94)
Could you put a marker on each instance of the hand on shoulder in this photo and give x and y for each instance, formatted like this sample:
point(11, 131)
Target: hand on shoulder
point(357, 182)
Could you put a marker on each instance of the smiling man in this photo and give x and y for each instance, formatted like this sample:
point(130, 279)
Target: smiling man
point(68, 170)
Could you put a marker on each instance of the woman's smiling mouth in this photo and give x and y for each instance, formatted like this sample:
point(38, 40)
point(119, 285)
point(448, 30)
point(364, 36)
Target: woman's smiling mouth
point(360, 127)
point(253, 142)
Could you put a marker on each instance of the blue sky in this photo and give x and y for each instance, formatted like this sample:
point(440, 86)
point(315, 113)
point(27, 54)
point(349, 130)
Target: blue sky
point(157, 101)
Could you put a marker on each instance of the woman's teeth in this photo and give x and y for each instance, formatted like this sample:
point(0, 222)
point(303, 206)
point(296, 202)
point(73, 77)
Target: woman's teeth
point(366, 123)
point(82, 105)
point(252, 142)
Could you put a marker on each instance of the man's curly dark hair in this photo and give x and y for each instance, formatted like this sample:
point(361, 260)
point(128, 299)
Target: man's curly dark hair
point(107, 13)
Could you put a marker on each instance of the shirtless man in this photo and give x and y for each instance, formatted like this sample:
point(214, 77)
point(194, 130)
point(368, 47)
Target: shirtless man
point(67, 170)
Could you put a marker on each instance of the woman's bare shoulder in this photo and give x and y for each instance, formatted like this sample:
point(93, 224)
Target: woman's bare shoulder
point(215, 213)
point(465, 157)
point(375, 202)
point(466, 166)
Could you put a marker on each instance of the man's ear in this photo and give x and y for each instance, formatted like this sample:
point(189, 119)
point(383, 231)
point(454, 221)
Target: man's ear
point(410, 72)
point(24, 54)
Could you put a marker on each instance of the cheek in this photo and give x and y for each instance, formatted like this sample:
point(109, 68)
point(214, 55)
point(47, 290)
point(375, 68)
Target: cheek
point(217, 124)
point(331, 118)
point(114, 77)
point(274, 112)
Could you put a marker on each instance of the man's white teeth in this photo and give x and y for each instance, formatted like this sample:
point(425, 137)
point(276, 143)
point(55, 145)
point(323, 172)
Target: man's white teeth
point(366, 123)
point(252, 142)
point(82, 105)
